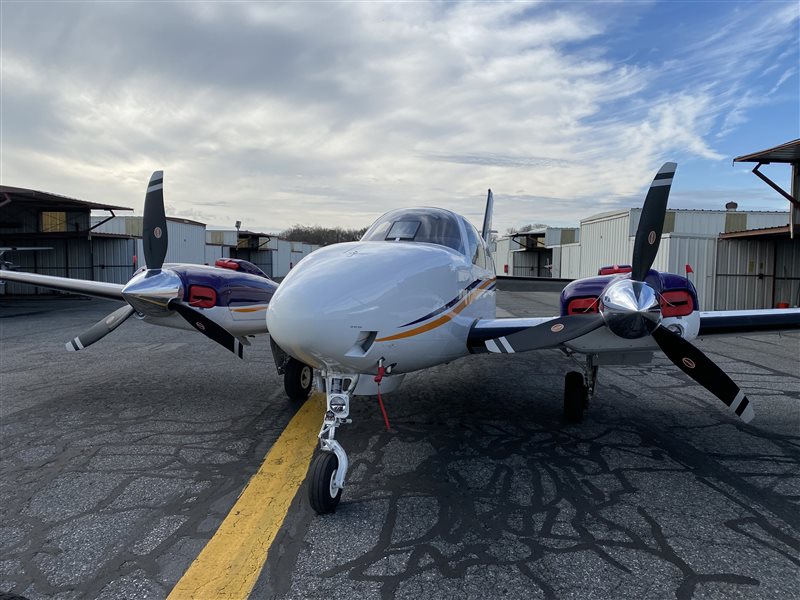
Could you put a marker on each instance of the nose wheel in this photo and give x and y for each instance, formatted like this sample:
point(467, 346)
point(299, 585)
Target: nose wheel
point(323, 494)
point(326, 477)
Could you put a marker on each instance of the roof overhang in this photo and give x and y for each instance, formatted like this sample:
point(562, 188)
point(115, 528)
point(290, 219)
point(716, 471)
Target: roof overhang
point(765, 233)
point(785, 153)
point(788, 153)
point(48, 201)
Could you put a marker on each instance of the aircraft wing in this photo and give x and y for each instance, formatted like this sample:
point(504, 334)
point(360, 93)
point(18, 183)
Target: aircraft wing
point(737, 322)
point(521, 334)
point(109, 291)
point(486, 335)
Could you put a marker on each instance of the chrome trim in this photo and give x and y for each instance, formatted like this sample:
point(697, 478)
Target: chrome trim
point(630, 308)
point(150, 292)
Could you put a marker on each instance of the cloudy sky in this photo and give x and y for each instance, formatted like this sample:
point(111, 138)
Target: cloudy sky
point(332, 113)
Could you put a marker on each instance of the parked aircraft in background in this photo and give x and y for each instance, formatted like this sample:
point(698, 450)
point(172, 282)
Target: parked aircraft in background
point(10, 266)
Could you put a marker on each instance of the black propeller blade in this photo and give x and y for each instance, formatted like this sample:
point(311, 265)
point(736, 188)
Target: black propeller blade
point(704, 371)
point(208, 327)
point(154, 223)
point(651, 223)
point(546, 335)
point(100, 329)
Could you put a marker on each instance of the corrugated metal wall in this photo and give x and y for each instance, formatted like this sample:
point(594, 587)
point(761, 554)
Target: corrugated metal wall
point(187, 240)
point(604, 241)
point(222, 237)
point(531, 263)
point(280, 263)
point(214, 252)
point(745, 273)
point(570, 261)
point(699, 252)
point(104, 259)
point(112, 259)
point(787, 271)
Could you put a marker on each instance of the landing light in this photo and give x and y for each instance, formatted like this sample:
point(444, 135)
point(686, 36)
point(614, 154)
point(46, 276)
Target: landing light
point(338, 404)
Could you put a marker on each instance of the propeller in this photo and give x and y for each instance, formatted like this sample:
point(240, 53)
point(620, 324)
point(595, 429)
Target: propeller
point(207, 327)
point(704, 371)
point(651, 222)
point(156, 292)
point(630, 309)
point(100, 329)
point(548, 334)
point(154, 223)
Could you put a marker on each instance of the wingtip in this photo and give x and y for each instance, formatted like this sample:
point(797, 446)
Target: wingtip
point(157, 175)
point(668, 167)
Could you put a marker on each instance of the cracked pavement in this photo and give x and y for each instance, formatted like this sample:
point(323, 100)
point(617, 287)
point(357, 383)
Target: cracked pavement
point(118, 463)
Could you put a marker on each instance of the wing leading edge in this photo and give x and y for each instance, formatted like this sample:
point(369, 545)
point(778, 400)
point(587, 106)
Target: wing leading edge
point(738, 322)
point(109, 291)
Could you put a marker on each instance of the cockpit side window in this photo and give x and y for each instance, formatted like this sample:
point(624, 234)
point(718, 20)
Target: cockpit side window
point(475, 250)
point(428, 225)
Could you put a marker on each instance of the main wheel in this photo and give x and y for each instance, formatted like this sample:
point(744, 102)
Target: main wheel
point(297, 380)
point(575, 395)
point(322, 493)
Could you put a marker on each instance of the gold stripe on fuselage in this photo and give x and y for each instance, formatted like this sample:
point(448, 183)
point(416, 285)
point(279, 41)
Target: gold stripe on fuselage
point(469, 299)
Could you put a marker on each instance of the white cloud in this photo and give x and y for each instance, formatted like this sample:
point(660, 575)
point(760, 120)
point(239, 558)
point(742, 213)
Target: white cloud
point(274, 114)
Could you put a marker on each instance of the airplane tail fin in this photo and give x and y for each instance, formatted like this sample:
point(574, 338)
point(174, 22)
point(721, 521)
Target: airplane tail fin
point(486, 232)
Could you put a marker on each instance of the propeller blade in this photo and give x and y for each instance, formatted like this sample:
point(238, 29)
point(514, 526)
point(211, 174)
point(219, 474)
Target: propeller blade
point(704, 371)
point(154, 223)
point(208, 327)
point(651, 223)
point(546, 335)
point(100, 329)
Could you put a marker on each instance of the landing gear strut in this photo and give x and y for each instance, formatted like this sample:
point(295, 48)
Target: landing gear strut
point(330, 467)
point(578, 389)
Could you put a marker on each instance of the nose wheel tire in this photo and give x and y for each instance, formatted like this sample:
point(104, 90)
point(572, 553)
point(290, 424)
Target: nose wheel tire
point(575, 397)
point(297, 380)
point(323, 494)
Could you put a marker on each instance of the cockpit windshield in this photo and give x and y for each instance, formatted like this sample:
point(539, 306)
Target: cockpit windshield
point(430, 225)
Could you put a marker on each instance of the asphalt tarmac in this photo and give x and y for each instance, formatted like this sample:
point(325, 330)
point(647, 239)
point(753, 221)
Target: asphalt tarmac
point(120, 462)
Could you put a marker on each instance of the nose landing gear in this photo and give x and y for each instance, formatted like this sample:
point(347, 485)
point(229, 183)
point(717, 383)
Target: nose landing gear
point(329, 468)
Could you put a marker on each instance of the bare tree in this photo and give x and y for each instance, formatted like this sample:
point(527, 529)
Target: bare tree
point(321, 236)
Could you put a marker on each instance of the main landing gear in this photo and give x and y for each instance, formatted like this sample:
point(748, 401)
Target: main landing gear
point(297, 379)
point(578, 389)
point(330, 466)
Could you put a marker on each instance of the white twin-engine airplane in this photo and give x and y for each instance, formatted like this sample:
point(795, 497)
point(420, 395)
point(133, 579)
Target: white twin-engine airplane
point(418, 290)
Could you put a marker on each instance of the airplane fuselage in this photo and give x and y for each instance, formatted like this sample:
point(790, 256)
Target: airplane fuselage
point(347, 306)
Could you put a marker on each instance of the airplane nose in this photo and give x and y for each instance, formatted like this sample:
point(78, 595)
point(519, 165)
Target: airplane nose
point(331, 307)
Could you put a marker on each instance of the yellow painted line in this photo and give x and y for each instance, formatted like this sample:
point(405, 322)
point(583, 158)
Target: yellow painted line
point(229, 565)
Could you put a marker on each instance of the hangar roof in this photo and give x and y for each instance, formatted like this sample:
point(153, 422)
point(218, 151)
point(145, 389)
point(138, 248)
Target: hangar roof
point(764, 232)
point(785, 153)
point(51, 201)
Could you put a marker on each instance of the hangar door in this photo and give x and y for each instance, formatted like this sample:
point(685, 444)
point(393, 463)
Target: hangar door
point(745, 274)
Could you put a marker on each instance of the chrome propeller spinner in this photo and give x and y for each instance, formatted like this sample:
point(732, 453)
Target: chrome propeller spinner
point(150, 292)
point(630, 309)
